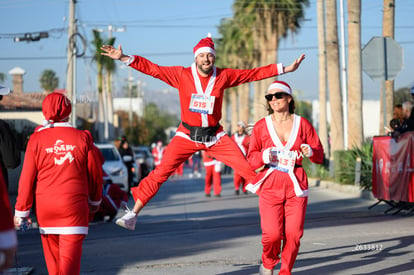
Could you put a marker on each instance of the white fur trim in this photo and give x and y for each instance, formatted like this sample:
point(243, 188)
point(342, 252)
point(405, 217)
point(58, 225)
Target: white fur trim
point(129, 60)
point(310, 149)
point(94, 203)
point(204, 50)
point(280, 86)
point(266, 155)
point(280, 68)
point(22, 214)
point(64, 230)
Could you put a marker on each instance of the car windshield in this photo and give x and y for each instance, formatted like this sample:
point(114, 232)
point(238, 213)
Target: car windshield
point(109, 154)
point(141, 151)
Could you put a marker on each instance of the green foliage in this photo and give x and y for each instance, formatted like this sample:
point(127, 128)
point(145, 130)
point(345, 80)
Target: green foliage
point(402, 95)
point(344, 162)
point(150, 128)
point(314, 170)
point(2, 77)
point(304, 109)
point(48, 80)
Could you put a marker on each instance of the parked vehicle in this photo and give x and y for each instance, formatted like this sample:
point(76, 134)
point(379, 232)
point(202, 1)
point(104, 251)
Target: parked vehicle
point(114, 165)
point(144, 159)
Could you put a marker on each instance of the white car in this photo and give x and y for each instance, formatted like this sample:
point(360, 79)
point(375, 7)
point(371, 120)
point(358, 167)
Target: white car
point(114, 165)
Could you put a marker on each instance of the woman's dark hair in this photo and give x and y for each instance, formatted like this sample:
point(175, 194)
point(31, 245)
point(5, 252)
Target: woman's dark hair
point(291, 107)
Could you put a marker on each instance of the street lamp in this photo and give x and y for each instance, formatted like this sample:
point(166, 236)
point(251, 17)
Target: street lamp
point(31, 37)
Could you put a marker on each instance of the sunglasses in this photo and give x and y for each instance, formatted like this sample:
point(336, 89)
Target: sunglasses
point(269, 97)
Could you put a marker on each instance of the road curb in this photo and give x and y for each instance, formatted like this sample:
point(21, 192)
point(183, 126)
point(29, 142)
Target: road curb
point(348, 189)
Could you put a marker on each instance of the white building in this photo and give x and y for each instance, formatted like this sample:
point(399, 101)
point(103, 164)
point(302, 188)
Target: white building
point(370, 112)
point(135, 105)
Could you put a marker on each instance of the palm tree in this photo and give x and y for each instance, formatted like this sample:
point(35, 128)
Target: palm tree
point(355, 121)
point(48, 80)
point(388, 31)
point(232, 51)
point(110, 67)
point(99, 59)
point(2, 77)
point(271, 20)
point(337, 125)
point(323, 123)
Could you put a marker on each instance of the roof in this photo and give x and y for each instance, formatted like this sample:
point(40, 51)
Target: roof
point(23, 101)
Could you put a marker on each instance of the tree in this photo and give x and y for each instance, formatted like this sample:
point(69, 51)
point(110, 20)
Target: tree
point(105, 68)
point(323, 122)
point(267, 22)
point(48, 80)
point(355, 120)
point(388, 89)
point(337, 124)
point(2, 77)
point(99, 59)
point(110, 68)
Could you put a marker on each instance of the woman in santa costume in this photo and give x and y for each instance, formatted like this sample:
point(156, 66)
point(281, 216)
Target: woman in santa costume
point(200, 89)
point(242, 140)
point(8, 238)
point(62, 172)
point(279, 142)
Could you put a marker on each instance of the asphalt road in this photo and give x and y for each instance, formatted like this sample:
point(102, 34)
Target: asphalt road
point(183, 232)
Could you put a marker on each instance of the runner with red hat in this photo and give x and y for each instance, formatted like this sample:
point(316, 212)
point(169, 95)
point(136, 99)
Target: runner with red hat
point(62, 173)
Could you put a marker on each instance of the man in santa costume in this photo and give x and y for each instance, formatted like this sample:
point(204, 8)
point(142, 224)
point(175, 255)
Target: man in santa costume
point(8, 238)
point(200, 89)
point(242, 140)
point(278, 144)
point(62, 172)
point(213, 175)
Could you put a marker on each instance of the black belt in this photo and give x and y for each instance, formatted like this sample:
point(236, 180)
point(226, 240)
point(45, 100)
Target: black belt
point(201, 134)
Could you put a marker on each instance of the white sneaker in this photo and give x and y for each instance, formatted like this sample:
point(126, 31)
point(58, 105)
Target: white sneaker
point(265, 271)
point(128, 220)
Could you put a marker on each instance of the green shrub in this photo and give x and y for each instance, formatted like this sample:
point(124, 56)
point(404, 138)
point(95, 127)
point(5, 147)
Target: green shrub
point(315, 170)
point(344, 163)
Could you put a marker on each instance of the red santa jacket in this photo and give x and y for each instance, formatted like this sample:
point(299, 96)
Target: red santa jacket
point(264, 137)
point(63, 169)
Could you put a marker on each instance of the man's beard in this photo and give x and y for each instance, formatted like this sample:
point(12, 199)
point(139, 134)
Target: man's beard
point(200, 68)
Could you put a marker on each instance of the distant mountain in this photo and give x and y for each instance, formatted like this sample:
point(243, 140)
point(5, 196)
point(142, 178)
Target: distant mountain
point(166, 100)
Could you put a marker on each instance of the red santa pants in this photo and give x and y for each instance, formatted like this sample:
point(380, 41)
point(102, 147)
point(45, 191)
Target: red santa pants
point(282, 217)
point(62, 253)
point(179, 150)
point(213, 178)
point(239, 181)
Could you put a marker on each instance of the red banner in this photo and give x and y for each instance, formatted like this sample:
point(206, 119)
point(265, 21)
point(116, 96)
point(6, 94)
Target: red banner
point(392, 170)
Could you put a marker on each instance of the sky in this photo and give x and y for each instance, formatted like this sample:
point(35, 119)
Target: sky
point(165, 32)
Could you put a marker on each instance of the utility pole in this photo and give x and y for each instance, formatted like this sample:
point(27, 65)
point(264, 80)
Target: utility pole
point(343, 74)
point(71, 61)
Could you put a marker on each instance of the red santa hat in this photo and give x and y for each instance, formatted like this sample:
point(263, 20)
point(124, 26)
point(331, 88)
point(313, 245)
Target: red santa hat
point(56, 107)
point(205, 45)
point(281, 86)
